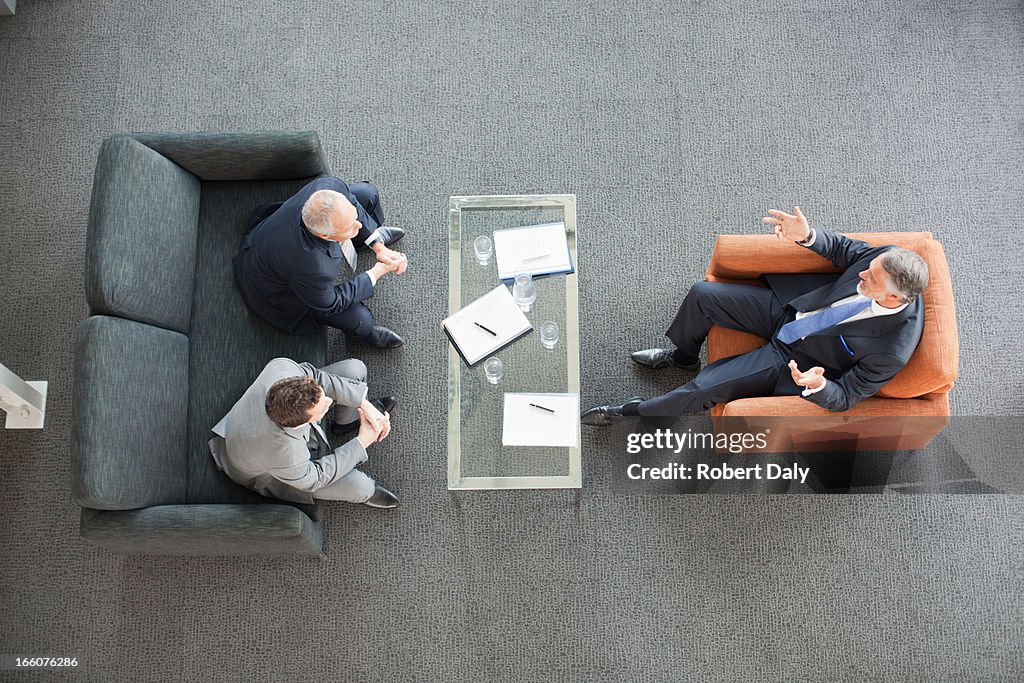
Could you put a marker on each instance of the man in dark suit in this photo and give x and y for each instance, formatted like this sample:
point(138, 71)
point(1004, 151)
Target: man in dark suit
point(295, 249)
point(852, 331)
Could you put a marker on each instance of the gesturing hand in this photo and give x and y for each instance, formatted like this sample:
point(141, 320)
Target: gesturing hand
point(787, 226)
point(812, 379)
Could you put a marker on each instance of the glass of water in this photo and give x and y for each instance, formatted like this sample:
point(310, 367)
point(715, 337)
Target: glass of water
point(483, 249)
point(494, 369)
point(549, 334)
point(524, 290)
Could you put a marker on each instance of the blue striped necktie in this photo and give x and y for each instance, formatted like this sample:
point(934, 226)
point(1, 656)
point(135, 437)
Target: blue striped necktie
point(812, 324)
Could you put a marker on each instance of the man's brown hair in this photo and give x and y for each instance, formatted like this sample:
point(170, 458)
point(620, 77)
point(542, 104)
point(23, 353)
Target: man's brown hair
point(290, 400)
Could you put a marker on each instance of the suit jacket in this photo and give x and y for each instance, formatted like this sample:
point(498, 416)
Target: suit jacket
point(275, 461)
point(287, 274)
point(859, 357)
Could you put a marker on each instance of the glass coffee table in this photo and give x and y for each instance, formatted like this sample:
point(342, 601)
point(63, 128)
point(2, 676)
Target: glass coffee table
point(476, 457)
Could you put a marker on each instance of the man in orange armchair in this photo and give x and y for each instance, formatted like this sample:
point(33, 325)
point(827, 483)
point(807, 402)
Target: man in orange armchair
point(833, 338)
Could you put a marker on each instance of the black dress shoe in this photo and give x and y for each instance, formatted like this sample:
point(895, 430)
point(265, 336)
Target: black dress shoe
point(384, 404)
point(383, 338)
point(389, 235)
point(658, 359)
point(382, 498)
point(602, 416)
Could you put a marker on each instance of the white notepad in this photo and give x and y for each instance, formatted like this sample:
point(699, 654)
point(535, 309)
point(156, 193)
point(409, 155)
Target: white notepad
point(527, 425)
point(537, 249)
point(496, 311)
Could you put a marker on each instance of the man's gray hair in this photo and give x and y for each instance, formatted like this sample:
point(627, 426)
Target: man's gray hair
point(316, 212)
point(908, 271)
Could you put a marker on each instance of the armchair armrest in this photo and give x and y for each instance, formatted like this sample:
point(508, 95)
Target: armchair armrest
point(747, 257)
point(272, 155)
point(791, 423)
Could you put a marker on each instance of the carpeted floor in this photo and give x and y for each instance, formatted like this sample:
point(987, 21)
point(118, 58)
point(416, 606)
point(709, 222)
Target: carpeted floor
point(671, 122)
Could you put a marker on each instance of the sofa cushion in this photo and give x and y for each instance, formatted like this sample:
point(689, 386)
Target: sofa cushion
point(141, 246)
point(230, 345)
point(129, 417)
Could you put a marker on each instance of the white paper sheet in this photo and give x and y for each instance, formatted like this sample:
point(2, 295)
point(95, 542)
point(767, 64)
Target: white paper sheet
point(538, 249)
point(525, 425)
point(498, 312)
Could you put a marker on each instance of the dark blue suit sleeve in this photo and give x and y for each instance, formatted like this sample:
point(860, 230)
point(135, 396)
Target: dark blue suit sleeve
point(319, 292)
point(864, 379)
point(840, 249)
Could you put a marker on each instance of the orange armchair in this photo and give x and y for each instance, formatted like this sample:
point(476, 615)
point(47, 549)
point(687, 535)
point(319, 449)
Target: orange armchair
point(919, 392)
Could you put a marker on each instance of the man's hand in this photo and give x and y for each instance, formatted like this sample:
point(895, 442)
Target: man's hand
point(789, 227)
point(379, 418)
point(370, 429)
point(380, 269)
point(812, 379)
point(390, 257)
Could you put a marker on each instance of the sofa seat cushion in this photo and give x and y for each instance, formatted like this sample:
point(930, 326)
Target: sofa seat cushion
point(229, 344)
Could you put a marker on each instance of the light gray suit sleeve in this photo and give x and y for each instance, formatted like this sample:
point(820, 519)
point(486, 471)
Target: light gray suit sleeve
point(310, 475)
point(345, 391)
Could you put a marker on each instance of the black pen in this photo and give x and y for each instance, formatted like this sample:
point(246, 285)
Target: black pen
point(542, 407)
point(486, 329)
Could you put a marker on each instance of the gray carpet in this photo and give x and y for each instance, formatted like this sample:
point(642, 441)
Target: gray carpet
point(671, 122)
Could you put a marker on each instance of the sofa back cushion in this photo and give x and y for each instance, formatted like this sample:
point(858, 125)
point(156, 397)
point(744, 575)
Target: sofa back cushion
point(270, 155)
point(934, 365)
point(141, 244)
point(130, 411)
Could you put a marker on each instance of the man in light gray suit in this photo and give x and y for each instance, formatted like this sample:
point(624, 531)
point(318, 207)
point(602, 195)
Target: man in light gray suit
point(264, 442)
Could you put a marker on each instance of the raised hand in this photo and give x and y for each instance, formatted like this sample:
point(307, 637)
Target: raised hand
point(787, 226)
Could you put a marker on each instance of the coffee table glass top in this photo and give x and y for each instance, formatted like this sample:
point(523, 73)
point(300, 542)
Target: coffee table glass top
point(476, 457)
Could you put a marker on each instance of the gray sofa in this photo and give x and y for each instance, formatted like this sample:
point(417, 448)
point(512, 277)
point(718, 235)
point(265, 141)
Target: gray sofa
point(169, 344)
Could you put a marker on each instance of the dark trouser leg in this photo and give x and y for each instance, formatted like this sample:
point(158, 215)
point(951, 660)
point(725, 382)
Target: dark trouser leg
point(368, 197)
point(750, 374)
point(355, 321)
point(739, 307)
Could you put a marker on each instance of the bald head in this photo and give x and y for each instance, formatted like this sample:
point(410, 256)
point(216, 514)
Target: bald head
point(330, 215)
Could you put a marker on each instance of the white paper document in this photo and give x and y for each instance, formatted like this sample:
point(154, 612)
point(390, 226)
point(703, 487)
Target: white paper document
point(480, 328)
point(541, 420)
point(537, 249)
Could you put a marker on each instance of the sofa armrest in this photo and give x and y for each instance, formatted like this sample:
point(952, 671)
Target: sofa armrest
point(271, 155)
point(222, 530)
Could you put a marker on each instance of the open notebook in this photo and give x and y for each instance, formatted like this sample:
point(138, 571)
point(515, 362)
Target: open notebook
point(537, 249)
point(480, 328)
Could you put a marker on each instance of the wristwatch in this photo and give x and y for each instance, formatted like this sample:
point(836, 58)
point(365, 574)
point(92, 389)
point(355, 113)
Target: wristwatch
point(806, 240)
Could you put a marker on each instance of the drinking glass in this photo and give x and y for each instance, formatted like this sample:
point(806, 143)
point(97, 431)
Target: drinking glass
point(549, 334)
point(483, 248)
point(494, 369)
point(524, 290)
